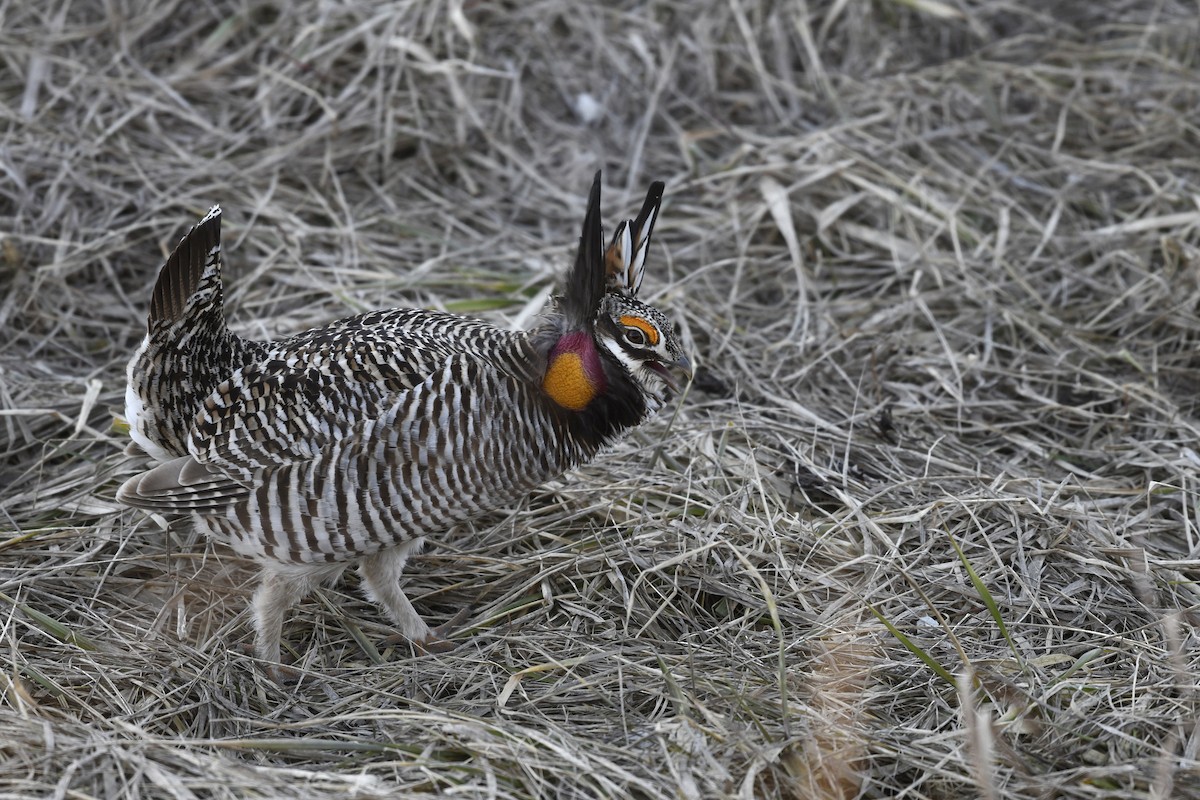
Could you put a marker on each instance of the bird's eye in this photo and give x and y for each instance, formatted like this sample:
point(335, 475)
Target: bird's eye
point(635, 336)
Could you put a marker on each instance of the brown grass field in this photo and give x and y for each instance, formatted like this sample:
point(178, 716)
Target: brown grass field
point(925, 525)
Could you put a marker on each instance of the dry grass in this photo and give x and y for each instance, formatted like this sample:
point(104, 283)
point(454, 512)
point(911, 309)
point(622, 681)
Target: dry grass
point(925, 525)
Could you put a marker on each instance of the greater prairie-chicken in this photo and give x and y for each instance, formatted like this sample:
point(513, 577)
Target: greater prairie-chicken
point(349, 443)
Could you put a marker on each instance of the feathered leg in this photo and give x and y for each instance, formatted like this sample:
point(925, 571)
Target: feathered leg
point(282, 586)
point(381, 574)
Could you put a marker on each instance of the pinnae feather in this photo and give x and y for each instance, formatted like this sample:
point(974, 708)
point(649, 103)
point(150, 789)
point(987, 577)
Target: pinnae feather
point(585, 284)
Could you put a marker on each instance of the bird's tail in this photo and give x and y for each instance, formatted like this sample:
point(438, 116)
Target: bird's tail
point(188, 350)
point(189, 283)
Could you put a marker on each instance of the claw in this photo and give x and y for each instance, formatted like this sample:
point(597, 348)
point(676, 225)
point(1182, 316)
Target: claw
point(281, 674)
point(436, 641)
point(434, 644)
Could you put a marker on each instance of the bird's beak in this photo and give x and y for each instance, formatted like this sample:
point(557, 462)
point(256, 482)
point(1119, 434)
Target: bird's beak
point(675, 373)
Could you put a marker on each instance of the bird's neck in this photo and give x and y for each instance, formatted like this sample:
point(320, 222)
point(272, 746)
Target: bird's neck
point(590, 399)
point(574, 375)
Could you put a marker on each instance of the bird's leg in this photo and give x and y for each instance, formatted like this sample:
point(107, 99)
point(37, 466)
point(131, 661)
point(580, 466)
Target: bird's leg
point(281, 588)
point(381, 574)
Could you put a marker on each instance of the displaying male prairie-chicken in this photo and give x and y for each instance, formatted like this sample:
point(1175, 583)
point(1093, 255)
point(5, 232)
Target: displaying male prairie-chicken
point(349, 443)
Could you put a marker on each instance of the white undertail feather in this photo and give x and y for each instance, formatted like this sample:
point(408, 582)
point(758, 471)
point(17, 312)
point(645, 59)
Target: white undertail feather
point(135, 410)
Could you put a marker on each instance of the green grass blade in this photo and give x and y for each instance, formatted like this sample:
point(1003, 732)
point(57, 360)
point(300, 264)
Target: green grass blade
point(989, 601)
point(912, 647)
point(51, 625)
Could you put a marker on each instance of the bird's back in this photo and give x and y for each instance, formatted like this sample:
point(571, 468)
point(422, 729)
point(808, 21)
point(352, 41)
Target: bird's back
point(311, 389)
point(288, 397)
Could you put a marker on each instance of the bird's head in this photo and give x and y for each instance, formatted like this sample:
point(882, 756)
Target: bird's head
point(608, 330)
point(641, 339)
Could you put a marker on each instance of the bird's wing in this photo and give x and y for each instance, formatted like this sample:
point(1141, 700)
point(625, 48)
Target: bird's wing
point(182, 485)
point(439, 421)
point(312, 391)
point(268, 414)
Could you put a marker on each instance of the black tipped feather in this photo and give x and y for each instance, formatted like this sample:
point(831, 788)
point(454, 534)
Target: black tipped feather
point(653, 201)
point(625, 259)
point(585, 286)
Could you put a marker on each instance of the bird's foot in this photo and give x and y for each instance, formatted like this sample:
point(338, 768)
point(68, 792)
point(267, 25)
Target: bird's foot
point(437, 640)
point(282, 674)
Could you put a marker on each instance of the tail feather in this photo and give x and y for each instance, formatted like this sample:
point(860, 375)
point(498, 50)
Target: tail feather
point(188, 350)
point(195, 263)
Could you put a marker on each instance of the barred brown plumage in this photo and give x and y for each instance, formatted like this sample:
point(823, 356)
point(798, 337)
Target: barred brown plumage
point(348, 443)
